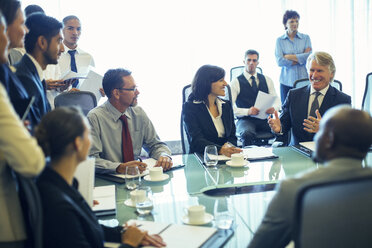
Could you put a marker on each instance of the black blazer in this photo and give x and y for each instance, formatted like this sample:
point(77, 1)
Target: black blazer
point(28, 75)
point(295, 110)
point(68, 221)
point(200, 128)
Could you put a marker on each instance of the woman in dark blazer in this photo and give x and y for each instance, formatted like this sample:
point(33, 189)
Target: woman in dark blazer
point(208, 119)
point(68, 221)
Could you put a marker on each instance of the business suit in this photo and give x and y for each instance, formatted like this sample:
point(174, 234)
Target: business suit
point(68, 219)
point(276, 229)
point(295, 110)
point(200, 128)
point(28, 75)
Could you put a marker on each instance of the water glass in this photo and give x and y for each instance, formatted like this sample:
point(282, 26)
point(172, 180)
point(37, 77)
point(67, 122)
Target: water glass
point(223, 213)
point(133, 177)
point(210, 155)
point(145, 206)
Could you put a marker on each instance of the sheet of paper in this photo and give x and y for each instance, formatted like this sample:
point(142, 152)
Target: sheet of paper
point(85, 176)
point(178, 236)
point(105, 195)
point(150, 163)
point(256, 152)
point(263, 102)
point(74, 75)
point(92, 84)
point(309, 145)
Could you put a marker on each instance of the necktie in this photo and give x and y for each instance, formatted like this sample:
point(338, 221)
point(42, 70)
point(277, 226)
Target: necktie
point(127, 146)
point(73, 66)
point(254, 84)
point(315, 104)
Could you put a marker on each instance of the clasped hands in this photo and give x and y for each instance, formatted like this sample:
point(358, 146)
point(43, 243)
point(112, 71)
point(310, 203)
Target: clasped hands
point(311, 124)
point(163, 161)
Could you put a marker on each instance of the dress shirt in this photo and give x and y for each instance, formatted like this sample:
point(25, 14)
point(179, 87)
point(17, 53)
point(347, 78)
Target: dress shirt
point(217, 121)
point(320, 97)
point(235, 90)
point(284, 45)
point(20, 152)
point(107, 138)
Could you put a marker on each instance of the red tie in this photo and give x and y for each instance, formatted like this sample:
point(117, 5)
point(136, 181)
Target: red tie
point(127, 146)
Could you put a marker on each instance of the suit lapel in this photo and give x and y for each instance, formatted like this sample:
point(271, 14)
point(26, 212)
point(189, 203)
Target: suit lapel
point(304, 99)
point(225, 119)
point(327, 100)
point(207, 119)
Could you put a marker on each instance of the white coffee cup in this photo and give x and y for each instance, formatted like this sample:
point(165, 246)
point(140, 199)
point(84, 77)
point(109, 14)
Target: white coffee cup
point(137, 195)
point(156, 173)
point(196, 213)
point(237, 159)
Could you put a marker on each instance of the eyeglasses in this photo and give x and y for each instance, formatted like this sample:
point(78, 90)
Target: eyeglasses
point(133, 89)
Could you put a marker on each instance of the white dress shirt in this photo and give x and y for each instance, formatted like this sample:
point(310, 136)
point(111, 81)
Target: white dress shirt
point(320, 97)
point(217, 121)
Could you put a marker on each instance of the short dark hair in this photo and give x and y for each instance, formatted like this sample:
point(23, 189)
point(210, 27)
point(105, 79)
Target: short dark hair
point(70, 17)
point(289, 14)
point(203, 79)
point(113, 79)
point(33, 8)
point(251, 52)
point(40, 25)
point(9, 9)
point(58, 129)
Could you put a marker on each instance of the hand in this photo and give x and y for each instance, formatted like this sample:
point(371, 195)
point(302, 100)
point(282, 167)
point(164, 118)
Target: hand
point(95, 203)
point(270, 111)
point(312, 124)
point(121, 168)
point(132, 236)
point(153, 240)
point(55, 85)
point(165, 162)
point(307, 50)
point(228, 149)
point(73, 89)
point(253, 111)
point(274, 123)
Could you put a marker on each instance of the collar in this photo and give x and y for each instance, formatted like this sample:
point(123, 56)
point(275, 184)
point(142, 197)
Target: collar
point(298, 35)
point(218, 101)
point(344, 162)
point(68, 49)
point(248, 75)
point(116, 114)
point(323, 91)
point(38, 67)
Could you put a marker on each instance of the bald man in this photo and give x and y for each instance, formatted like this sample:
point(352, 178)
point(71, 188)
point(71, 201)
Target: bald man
point(341, 149)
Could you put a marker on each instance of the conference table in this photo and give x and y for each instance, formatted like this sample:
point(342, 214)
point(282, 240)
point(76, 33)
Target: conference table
point(245, 192)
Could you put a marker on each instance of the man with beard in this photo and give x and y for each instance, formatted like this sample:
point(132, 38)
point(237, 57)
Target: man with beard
point(244, 90)
point(43, 44)
point(341, 144)
point(120, 128)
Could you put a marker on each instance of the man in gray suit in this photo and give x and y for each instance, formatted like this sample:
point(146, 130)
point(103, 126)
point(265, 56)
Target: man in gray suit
point(342, 142)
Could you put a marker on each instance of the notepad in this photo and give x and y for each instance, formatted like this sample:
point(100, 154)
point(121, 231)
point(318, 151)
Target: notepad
point(105, 195)
point(253, 153)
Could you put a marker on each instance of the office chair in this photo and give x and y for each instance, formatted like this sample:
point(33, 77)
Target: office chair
point(305, 82)
point(334, 214)
point(84, 99)
point(186, 91)
point(367, 101)
point(236, 71)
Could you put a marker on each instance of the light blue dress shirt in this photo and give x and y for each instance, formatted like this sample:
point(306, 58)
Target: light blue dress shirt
point(107, 138)
point(284, 45)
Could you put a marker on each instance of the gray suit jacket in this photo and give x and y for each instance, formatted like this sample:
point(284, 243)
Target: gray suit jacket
point(277, 224)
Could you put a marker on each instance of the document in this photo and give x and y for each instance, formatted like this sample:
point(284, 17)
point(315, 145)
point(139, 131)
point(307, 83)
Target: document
point(73, 75)
point(92, 83)
point(253, 153)
point(263, 102)
point(309, 145)
point(105, 195)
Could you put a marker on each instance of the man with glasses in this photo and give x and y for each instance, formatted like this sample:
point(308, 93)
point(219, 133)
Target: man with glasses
point(244, 91)
point(120, 128)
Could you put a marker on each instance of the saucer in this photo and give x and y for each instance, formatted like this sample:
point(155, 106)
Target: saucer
point(148, 178)
point(129, 203)
point(240, 165)
point(207, 218)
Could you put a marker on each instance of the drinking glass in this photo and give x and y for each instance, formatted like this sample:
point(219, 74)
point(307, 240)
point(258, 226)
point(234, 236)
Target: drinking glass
point(132, 178)
point(210, 155)
point(223, 213)
point(145, 206)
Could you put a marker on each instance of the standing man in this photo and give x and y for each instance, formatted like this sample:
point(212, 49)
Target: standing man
point(303, 108)
point(244, 90)
point(120, 128)
point(43, 44)
point(342, 143)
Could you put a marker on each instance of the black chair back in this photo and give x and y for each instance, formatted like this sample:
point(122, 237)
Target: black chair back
point(84, 99)
point(237, 70)
point(334, 214)
point(367, 98)
point(305, 82)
